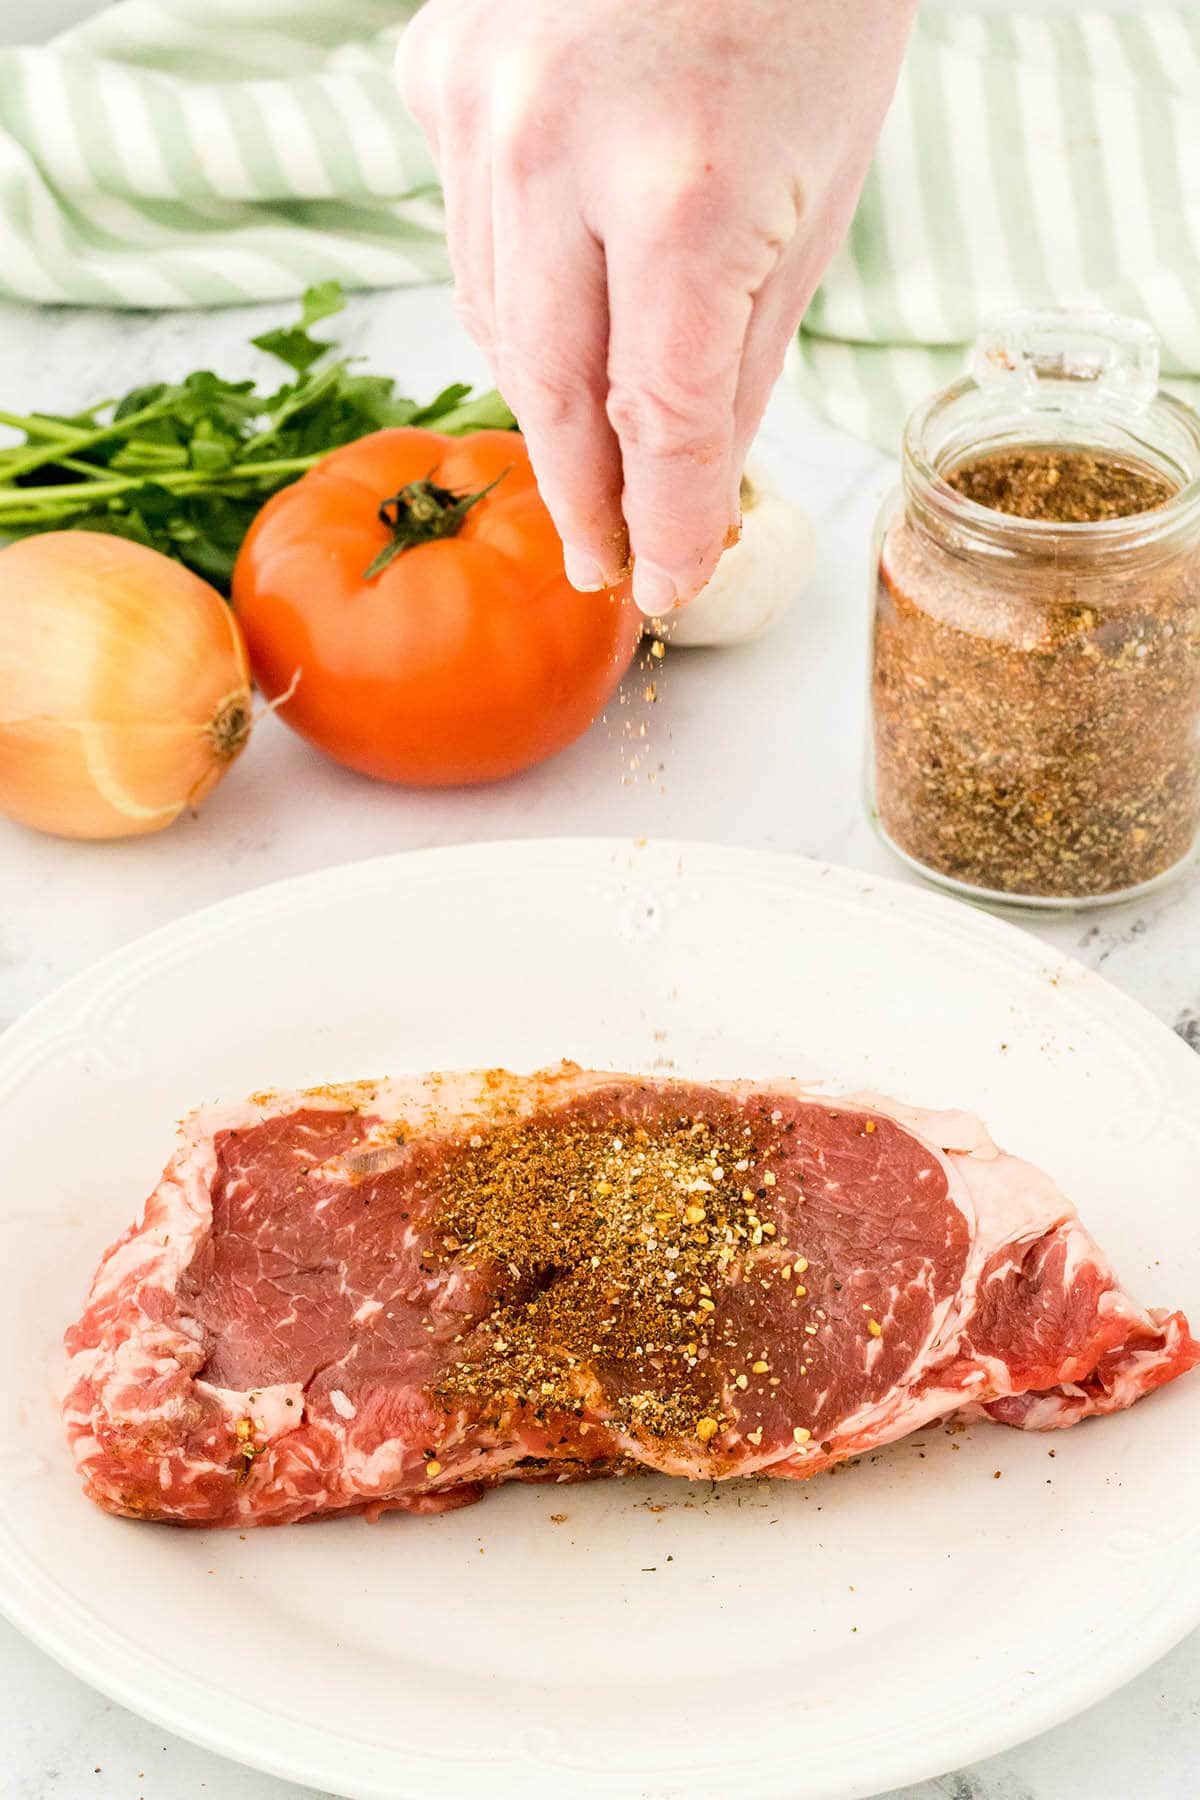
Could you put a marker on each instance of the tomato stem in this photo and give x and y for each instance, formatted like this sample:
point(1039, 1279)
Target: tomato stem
point(421, 513)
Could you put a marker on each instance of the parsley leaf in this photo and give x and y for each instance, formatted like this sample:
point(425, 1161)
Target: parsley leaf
point(185, 467)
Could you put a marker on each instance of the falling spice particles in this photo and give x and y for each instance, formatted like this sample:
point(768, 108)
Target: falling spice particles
point(1037, 718)
point(641, 755)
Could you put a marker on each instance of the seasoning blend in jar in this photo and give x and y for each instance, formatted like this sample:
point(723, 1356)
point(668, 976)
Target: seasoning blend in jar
point(1035, 670)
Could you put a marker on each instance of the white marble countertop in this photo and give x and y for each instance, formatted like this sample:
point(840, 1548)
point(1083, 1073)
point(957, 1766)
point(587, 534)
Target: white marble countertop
point(762, 747)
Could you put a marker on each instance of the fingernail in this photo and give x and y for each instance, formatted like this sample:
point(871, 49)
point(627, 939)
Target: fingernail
point(653, 589)
point(583, 571)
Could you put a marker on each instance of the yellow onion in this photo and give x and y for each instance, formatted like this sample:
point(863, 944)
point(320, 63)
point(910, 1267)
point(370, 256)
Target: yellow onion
point(124, 686)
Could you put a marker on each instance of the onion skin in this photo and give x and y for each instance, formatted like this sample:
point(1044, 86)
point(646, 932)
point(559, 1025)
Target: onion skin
point(124, 686)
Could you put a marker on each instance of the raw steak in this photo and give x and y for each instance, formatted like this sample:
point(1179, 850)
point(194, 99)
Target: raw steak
point(396, 1295)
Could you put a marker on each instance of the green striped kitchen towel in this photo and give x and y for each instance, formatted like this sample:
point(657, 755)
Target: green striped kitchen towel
point(208, 152)
point(214, 152)
point(1026, 160)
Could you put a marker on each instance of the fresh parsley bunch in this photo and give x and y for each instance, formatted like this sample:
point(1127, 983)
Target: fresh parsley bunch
point(185, 468)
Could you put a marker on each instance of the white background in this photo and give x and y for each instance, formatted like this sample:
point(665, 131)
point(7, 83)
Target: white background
point(29, 21)
point(761, 748)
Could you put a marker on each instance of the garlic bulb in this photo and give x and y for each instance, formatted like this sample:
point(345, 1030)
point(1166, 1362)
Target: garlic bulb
point(124, 686)
point(757, 579)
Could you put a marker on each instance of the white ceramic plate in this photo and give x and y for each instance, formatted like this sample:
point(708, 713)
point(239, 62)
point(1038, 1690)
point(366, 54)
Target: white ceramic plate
point(810, 1641)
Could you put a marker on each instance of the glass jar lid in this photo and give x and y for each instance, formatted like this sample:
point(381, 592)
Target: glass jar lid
point(1057, 379)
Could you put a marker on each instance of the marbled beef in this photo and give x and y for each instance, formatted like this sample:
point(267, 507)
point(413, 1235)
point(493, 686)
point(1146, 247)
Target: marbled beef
point(397, 1294)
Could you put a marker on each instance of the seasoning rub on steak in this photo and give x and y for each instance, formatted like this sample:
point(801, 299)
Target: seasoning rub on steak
point(398, 1294)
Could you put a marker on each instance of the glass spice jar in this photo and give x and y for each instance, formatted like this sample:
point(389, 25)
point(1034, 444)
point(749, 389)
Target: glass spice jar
point(1035, 661)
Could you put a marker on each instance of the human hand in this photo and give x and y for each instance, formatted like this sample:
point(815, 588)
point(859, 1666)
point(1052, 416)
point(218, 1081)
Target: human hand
point(641, 198)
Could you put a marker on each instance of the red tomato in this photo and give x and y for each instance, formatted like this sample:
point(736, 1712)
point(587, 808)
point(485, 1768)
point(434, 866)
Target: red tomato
point(470, 656)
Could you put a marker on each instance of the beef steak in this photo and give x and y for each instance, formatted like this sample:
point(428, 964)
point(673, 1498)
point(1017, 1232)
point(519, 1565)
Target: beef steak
point(397, 1294)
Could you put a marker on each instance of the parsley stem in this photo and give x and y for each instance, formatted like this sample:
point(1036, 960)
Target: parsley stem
point(33, 503)
point(77, 440)
point(36, 425)
point(90, 471)
point(290, 465)
point(64, 496)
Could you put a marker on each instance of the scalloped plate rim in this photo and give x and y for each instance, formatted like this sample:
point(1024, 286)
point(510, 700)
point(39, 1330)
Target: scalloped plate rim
point(58, 1014)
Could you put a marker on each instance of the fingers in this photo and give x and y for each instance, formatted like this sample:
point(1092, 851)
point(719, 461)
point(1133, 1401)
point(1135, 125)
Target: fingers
point(470, 235)
point(677, 334)
point(639, 354)
point(775, 319)
point(779, 306)
point(529, 277)
point(423, 54)
point(551, 356)
point(433, 69)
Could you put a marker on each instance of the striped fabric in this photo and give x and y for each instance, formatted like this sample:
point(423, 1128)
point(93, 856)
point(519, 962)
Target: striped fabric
point(208, 152)
point(213, 152)
point(1027, 160)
